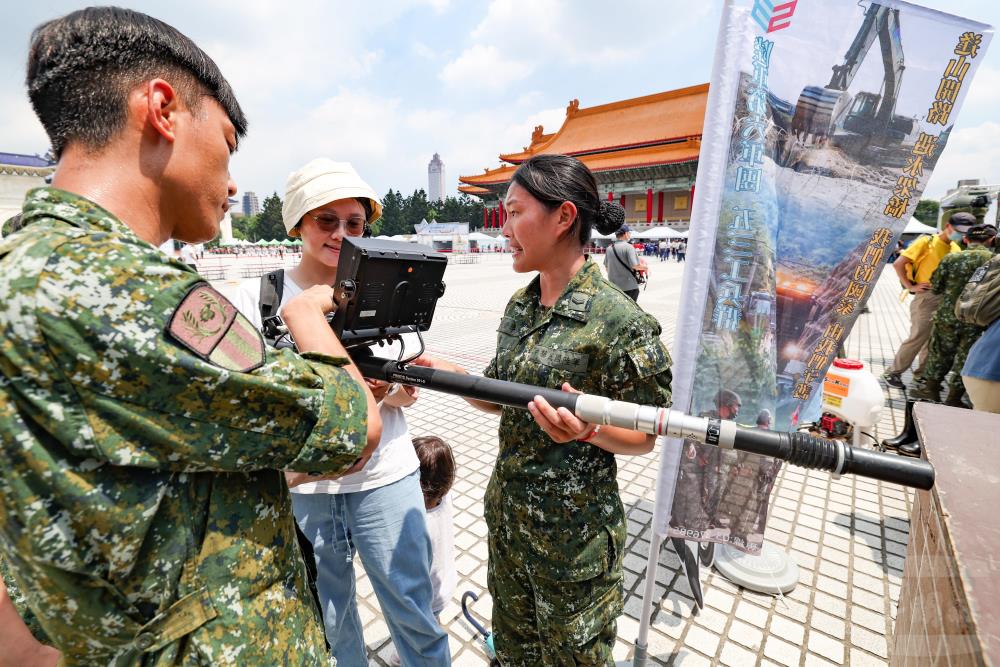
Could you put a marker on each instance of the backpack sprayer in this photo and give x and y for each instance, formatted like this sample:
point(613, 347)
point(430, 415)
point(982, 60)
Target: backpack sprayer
point(401, 283)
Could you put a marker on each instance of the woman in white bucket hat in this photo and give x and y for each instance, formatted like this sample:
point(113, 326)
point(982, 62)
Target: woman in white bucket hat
point(378, 511)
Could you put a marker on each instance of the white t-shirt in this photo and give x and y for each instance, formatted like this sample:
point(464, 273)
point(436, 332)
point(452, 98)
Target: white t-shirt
point(187, 254)
point(394, 458)
point(441, 529)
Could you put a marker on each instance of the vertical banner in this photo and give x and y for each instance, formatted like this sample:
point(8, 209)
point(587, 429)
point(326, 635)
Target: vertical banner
point(824, 122)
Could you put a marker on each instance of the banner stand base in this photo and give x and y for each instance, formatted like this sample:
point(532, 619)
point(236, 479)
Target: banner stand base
point(771, 572)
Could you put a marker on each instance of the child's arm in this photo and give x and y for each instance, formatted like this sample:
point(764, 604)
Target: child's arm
point(400, 396)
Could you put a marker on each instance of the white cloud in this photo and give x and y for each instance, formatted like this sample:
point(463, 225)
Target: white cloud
point(484, 68)
point(20, 132)
point(321, 78)
point(970, 153)
point(983, 98)
point(352, 125)
point(516, 39)
point(581, 32)
point(389, 143)
point(439, 6)
point(421, 50)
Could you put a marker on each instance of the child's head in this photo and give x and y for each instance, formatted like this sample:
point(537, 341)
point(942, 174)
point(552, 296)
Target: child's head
point(437, 468)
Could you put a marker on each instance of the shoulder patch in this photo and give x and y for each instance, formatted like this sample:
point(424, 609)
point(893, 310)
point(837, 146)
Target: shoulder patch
point(208, 325)
point(649, 358)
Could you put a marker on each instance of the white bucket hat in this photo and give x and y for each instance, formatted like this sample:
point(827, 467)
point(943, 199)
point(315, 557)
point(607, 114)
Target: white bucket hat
point(321, 182)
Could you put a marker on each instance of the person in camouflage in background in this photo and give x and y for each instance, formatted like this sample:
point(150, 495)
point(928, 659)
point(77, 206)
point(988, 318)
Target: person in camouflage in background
point(143, 423)
point(950, 339)
point(556, 522)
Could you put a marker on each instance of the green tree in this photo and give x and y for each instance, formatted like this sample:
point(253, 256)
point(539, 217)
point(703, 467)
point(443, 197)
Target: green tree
point(415, 209)
point(472, 210)
point(391, 222)
point(245, 227)
point(269, 225)
point(401, 214)
point(451, 210)
point(927, 212)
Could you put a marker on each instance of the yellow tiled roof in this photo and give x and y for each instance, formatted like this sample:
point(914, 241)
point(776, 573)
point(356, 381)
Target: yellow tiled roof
point(647, 156)
point(640, 121)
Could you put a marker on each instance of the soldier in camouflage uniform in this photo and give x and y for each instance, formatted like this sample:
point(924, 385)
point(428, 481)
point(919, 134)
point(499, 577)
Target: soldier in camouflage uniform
point(556, 521)
point(143, 423)
point(950, 339)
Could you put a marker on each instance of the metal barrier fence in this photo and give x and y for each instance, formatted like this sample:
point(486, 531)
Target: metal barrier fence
point(212, 273)
point(216, 267)
point(463, 258)
point(219, 268)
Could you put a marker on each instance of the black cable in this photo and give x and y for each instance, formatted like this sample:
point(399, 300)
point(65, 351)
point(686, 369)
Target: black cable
point(811, 425)
point(423, 347)
point(873, 438)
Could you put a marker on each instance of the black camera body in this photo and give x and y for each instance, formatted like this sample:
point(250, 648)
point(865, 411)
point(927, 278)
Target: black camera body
point(384, 289)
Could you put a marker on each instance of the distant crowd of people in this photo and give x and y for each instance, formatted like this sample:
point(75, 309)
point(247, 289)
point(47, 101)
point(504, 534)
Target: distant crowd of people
point(666, 248)
point(253, 251)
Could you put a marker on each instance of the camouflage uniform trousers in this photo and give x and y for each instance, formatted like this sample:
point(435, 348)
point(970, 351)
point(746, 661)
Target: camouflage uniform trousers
point(539, 621)
point(949, 346)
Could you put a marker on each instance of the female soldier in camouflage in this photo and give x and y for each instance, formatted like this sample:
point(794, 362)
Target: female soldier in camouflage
point(556, 521)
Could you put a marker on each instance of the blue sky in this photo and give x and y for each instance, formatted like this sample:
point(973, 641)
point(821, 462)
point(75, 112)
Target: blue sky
point(386, 83)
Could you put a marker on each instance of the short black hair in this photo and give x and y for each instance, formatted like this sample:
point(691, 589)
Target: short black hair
point(82, 67)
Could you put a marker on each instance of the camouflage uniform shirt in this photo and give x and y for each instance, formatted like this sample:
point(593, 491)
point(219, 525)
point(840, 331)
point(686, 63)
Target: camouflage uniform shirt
point(950, 339)
point(952, 274)
point(140, 503)
point(553, 505)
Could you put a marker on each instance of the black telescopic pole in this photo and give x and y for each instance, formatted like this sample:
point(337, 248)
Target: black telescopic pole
point(799, 449)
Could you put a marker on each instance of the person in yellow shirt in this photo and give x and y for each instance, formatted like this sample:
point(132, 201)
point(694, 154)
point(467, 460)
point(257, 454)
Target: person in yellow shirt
point(915, 266)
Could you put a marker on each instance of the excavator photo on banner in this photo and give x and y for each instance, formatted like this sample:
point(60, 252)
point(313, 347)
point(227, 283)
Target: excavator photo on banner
point(865, 124)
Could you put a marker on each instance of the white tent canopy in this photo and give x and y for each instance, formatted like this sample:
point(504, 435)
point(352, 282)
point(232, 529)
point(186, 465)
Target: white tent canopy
point(914, 226)
point(481, 238)
point(486, 239)
point(658, 233)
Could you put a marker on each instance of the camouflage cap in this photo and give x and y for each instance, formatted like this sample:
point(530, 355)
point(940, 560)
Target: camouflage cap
point(981, 233)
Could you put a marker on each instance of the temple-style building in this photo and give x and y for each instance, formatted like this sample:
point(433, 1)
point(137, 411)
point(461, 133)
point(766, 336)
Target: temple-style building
point(18, 174)
point(643, 151)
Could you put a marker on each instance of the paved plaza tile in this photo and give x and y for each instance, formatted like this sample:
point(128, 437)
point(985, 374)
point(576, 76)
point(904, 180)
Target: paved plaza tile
point(848, 536)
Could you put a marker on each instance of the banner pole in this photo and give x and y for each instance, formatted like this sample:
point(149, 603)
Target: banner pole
point(652, 564)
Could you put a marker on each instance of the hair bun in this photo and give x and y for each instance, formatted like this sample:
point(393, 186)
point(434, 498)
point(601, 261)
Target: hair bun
point(610, 217)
